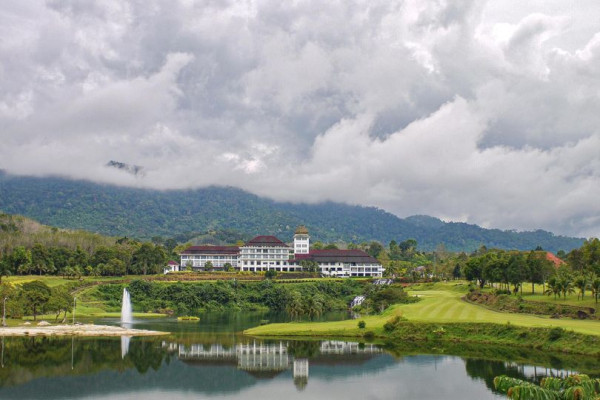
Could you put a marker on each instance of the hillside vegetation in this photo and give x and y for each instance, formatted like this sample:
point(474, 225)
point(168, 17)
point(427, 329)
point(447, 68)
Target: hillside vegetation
point(141, 213)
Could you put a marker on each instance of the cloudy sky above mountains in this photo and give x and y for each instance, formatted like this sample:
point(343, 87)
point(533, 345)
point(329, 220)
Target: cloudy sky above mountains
point(483, 112)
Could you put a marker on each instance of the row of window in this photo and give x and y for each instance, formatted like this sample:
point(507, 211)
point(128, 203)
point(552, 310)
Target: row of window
point(264, 251)
point(232, 258)
point(266, 256)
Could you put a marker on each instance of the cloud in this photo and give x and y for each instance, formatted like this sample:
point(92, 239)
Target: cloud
point(473, 111)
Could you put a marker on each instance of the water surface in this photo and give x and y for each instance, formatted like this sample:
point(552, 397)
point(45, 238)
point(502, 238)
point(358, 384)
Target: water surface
point(211, 359)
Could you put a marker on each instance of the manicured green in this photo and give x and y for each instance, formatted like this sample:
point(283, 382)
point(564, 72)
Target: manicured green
point(441, 305)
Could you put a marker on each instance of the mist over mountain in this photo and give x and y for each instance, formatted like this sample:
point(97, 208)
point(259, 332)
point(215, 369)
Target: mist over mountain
point(144, 213)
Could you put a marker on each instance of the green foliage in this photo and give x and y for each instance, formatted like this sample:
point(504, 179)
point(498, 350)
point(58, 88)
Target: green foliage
point(35, 295)
point(555, 333)
point(270, 274)
point(574, 387)
point(298, 299)
point(362, 324)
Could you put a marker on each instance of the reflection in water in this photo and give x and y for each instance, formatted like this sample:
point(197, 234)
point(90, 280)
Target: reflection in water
point(213, 364)
point(268, 360)
point(125, 345)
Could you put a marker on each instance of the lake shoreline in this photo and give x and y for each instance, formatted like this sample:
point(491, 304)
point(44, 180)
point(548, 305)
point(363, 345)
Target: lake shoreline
point(552, 339)
point(88, 330)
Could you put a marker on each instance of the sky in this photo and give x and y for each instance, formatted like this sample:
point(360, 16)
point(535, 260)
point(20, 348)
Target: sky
point(486, 112)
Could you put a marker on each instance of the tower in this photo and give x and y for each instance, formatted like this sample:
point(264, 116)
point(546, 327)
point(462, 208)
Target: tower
point(301, 240)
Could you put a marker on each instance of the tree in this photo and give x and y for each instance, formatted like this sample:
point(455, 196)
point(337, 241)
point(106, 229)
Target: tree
point(375, 248)
point(315, 305)
point(595, 286)
point(456, 274)
point(60, 301)
point(35, 295)
point(228, 267)
point(294, 304)
point(554, 287)
point(582, 282)
point(516, 271)
point(566, 284)
point(5, 268)
point(408, 248)
point(591, 255)
point(572, 387)
point(270, 274)
point(575, 260)
point(208, 266)
point(40, 259)
point(149, 257)
point(21, 259)
point(309, 266)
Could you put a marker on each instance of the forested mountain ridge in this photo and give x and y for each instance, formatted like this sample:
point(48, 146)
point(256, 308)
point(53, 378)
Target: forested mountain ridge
point(143, 213)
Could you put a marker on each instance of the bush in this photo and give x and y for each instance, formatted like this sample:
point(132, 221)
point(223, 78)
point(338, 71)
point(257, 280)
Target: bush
point(362, 324)
point(555, 333)
point(390, 325)
point(369, 335)
point(270, 274)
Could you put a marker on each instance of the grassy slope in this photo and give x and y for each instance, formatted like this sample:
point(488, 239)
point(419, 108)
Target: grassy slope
point(439, 305)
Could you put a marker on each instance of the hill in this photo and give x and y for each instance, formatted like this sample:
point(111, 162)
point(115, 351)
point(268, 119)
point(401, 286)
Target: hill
point(143, 213)
point(16, 230)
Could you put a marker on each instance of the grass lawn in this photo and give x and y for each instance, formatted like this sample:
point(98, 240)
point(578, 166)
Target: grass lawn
point(54, 281)
point(572, 300)
point(441, 304)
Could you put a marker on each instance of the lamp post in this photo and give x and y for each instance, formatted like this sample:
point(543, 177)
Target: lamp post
point(4, 312)
point(74, 305)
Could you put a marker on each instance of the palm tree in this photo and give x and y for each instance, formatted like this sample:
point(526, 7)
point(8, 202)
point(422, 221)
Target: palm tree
point(582, 282)
point(554, 287)
point(295, 306)
point(572, 387)
point(566, 285)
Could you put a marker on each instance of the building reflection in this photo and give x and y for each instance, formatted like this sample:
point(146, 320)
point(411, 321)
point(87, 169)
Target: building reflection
point(267, 360)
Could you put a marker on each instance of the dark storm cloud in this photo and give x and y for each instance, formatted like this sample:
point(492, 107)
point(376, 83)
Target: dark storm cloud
point(471, 111)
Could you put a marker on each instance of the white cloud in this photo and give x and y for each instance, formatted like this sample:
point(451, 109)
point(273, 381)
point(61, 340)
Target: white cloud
point(477, 111)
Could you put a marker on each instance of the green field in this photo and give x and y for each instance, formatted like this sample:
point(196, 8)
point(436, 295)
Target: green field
point(442, 304)
point(54, 281)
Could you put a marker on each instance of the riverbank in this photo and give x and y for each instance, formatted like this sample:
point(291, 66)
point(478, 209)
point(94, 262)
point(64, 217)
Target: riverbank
point(443, 316)
point(75, 330)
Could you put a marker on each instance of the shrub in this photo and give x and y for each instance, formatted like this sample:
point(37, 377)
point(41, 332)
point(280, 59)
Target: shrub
point(369, 335)
point(362, 324)
point(390, 325)
point(555, 333)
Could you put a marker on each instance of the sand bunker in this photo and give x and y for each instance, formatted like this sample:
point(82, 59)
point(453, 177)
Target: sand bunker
point(76, 330)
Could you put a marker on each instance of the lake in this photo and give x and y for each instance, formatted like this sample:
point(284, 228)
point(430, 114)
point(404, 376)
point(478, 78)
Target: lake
point(211, 359)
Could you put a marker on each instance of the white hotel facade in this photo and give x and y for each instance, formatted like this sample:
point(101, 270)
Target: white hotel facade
point(264, 253)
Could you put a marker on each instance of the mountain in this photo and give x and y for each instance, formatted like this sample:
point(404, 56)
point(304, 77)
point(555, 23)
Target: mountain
point(143, 213)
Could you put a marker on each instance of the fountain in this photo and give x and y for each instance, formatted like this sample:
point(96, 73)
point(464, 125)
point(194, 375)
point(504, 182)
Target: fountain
point(125, 345)
point(126, 317)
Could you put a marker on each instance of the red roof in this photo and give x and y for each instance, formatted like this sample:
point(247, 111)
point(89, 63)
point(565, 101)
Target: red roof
point(266, 241)
point(211, 250)
point(172, 263)
point(334, 255)
point(557, 261)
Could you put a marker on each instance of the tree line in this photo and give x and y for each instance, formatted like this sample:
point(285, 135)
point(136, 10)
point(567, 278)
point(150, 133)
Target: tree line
point(297, 299)
point(124, 257)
